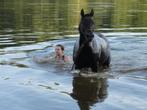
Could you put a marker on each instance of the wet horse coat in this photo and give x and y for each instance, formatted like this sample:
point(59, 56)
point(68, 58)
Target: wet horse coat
point(91, 50)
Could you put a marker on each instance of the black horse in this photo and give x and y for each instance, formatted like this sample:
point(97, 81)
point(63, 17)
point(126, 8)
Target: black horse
point(91, 50)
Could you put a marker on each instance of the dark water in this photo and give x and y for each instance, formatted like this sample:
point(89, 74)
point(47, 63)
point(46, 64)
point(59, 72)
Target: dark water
point(34, 27)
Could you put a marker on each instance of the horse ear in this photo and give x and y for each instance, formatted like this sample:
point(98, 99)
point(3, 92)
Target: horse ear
point(82, 12)
point(92, 12)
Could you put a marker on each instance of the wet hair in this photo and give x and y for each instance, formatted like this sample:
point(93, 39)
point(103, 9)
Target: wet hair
point(61, 46)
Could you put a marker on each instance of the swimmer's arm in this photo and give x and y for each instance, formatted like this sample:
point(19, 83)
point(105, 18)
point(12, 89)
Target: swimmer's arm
point(41, 60)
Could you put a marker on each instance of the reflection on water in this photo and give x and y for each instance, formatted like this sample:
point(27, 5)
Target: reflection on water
point(89, 90)
point(27, 22)
point(58, 16)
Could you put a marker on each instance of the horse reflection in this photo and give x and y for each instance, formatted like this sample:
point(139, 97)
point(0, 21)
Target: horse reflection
point(89, 90)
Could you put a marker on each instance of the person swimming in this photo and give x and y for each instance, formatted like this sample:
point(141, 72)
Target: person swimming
point(59, 56)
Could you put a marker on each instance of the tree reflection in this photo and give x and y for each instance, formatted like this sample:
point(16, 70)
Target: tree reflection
point(63, 15)
point(89, 90)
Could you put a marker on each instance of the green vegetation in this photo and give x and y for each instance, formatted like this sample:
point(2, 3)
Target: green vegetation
point(63, 15)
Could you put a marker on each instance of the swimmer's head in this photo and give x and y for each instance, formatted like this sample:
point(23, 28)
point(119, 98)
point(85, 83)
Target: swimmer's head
point(59, 50)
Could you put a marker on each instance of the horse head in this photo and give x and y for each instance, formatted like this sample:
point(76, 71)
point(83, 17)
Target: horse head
point(86, 26)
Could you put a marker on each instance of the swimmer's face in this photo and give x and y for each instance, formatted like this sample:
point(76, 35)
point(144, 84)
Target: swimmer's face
point(58, 50)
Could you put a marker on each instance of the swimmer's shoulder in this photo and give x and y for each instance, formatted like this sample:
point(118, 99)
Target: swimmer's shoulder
point(67, 58)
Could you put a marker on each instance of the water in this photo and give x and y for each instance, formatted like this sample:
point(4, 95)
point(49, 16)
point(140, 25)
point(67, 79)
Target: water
point(29, 28)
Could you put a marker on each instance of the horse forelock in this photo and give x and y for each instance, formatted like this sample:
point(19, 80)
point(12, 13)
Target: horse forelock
point(86, 28)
